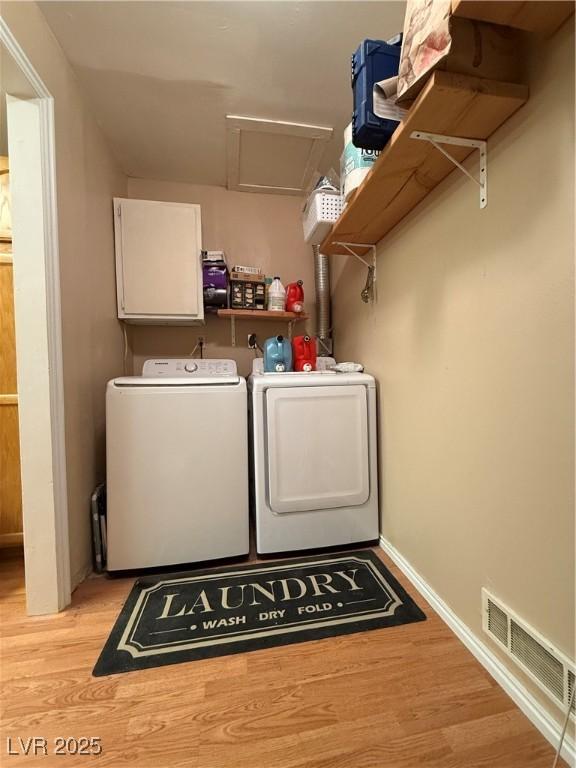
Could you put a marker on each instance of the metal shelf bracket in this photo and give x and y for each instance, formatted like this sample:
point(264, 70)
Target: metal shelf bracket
point(368, 293)
point(437, 139)
point(290, 323)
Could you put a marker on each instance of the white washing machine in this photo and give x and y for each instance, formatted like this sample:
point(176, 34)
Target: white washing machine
point(177, 464)
point(314, 463)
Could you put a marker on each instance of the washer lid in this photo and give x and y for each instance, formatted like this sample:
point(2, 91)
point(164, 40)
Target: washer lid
point(174, 381)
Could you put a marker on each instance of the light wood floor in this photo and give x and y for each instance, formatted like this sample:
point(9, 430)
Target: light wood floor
point(391, 698)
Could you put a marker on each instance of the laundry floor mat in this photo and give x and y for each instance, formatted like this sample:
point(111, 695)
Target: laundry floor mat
point(197, 615)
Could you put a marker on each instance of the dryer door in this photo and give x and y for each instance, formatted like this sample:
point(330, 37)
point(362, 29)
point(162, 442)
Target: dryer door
point(317, 446)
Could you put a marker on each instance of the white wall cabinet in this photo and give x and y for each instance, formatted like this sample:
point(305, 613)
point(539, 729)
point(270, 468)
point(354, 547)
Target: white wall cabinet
point(158, 263)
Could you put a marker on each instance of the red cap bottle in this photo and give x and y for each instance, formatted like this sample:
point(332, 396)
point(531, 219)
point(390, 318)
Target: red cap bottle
point(295, 297)
point(304, 353)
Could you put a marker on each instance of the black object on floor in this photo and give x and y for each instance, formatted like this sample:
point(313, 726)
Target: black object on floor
point(196, 615)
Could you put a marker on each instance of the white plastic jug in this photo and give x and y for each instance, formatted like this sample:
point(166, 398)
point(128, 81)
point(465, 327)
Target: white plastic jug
point(276, 296)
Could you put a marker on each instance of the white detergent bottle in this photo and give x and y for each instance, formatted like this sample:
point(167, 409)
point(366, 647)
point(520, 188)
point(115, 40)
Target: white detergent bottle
point(276, 296)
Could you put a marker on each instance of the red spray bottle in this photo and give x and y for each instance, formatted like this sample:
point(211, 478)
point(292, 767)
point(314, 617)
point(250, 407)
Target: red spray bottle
point(304, 353)
point(295, 297)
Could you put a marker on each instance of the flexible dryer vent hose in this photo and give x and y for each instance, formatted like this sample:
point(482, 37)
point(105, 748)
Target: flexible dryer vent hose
point(322, 281)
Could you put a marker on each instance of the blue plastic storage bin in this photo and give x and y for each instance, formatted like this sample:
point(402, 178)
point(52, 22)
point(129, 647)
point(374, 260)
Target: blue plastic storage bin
point(373, 61)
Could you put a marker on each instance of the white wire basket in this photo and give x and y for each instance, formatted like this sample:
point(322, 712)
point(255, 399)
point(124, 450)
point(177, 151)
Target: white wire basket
point(322, 210)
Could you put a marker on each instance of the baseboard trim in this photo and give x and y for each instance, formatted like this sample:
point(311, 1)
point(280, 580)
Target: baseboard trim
point(548, 727)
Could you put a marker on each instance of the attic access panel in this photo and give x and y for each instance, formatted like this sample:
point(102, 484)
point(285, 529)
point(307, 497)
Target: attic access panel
point(271, 155)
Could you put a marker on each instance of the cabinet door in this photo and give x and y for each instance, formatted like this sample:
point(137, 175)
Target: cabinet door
point(158, 260)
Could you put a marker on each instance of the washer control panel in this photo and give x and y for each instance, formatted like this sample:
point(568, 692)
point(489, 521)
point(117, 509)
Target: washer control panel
point(176, 367)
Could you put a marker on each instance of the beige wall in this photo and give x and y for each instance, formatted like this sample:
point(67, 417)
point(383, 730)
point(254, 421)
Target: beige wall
point(261, 230)
point(87, 179)
point(472, 342)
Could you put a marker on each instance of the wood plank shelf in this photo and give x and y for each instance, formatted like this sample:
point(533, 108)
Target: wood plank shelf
point(409, 169)
point(262, 314)
point(533, 16)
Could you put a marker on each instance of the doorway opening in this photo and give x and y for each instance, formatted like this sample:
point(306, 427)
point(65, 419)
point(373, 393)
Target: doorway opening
point(34, 406)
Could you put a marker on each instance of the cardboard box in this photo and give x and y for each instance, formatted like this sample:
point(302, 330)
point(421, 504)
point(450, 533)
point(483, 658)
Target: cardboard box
point(248, 278)
point(246, 270)
point(434, 39)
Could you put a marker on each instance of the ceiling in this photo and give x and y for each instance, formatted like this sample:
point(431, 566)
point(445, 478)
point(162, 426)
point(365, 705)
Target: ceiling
point(161, 76)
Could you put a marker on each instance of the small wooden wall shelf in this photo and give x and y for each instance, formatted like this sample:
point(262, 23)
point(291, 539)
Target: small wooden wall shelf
point(408, 169)
point(533, 16)
point(262, 314)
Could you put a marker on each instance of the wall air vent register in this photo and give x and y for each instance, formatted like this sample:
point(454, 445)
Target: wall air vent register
point(550, 669)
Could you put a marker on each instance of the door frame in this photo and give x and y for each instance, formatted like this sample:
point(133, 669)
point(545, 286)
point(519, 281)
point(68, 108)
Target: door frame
point(48, 584)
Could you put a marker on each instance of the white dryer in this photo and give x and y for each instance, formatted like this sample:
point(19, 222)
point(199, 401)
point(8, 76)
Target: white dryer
point(313, 464)
point(177, 464)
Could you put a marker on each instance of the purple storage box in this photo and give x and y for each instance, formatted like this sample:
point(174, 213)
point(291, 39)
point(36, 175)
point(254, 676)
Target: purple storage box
point(214, 276)
point(215, 281)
